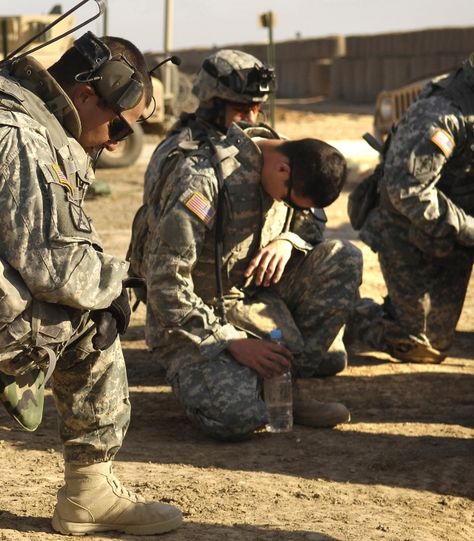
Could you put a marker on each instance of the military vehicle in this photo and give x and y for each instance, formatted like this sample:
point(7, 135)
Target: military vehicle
point(391, 105)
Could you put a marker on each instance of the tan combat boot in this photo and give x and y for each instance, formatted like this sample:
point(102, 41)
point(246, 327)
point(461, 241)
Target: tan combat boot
point(419, 353)
point(94, 500)
point(311, 412)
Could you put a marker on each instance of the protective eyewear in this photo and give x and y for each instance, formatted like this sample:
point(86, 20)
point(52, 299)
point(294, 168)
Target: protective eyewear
point(119, 128)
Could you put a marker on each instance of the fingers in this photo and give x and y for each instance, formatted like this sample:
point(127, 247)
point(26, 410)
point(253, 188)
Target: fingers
point(274, 360)
point(265, 269)
point(269, 264)
point(278, 272)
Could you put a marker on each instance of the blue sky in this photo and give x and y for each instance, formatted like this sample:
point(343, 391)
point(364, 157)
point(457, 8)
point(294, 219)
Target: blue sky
point(204, 23)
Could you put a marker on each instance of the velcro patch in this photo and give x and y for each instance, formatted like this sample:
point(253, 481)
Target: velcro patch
point(201, 207)
point(443, 140)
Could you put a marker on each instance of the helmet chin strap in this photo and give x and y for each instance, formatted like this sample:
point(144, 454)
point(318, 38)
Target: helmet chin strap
point(215, 114)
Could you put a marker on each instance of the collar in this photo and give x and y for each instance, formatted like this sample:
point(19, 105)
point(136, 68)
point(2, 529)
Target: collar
point(35, 78)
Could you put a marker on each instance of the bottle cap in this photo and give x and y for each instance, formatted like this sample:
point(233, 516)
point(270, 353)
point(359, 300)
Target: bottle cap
point(276, 334)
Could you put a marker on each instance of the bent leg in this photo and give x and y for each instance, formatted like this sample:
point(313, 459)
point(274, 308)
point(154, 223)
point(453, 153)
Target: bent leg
point(222, 397)
point(418, 320)
point(320, 291)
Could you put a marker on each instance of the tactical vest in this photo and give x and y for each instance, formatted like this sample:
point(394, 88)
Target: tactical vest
point(25, 323)
point(244, 212)
point(161, 164)
point(28, 88)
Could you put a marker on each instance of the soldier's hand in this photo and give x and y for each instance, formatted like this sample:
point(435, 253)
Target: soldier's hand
point(105, 329)
point(268, 265)
point(111, 321)
point(267, 358)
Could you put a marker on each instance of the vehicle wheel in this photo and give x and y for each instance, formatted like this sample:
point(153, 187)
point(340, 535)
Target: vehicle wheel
point(126, 153)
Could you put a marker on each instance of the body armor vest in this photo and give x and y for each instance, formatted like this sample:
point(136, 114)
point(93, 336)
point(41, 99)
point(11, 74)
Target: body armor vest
point(28, 88)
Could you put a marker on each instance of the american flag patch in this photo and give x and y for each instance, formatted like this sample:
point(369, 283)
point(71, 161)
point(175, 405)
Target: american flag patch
point(61, 177)
point(443, 141)
point(201, 207)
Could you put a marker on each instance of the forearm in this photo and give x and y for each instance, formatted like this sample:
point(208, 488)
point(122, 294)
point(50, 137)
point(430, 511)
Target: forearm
point(179, 310)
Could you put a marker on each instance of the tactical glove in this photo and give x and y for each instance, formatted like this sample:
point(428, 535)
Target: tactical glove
point(111, 321)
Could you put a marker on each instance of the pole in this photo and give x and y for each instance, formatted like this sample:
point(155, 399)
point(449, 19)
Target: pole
point(105, 20)
point(167, 46)
point(272, 62)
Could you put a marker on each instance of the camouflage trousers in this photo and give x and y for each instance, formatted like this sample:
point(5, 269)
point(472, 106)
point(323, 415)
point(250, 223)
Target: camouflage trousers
point(310, 304)
point(91, 395)
point(425, 299)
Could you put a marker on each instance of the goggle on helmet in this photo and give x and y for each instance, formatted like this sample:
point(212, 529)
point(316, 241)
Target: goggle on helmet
point(257, 81)
point(234, 76)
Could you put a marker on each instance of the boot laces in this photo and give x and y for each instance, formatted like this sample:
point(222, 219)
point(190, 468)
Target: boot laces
point(123, 491)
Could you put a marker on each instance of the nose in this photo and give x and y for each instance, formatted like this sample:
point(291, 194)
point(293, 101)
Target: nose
point(250, 116)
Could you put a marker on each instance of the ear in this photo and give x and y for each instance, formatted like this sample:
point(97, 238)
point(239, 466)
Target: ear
point(81, 95)
point(284, 168)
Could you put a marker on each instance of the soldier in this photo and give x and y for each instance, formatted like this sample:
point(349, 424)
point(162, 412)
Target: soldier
point(225, 210)
point(231, 87)
point(422, 225)
point(63, 302)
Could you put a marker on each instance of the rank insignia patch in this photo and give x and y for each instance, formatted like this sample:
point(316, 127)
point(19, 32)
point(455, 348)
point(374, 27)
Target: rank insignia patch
point(201, 207)
point(443, 141)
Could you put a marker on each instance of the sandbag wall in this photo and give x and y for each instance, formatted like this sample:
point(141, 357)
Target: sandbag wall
point(385, 61)
point(355, 69)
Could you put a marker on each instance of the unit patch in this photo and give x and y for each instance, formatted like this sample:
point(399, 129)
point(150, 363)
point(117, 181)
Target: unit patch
point(201, 207)
point(443, 140)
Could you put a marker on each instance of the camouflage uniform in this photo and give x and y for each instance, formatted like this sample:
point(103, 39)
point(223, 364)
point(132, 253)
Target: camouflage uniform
point(310, 304)
point(194, 130)
point(423, 225)
point(53, 268)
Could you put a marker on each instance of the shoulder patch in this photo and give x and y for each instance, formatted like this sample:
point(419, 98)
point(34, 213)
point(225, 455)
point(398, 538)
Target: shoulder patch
point(201, 207)
point(443, 140)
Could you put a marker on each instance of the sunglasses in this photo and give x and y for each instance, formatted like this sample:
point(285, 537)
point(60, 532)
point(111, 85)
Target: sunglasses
point(119, 128)
point(287, 200)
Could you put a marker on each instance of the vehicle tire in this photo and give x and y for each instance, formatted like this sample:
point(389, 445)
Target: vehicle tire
point(126, 153)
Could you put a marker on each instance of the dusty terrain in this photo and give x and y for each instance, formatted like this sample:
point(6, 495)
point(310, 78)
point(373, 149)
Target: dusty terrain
point(402, 470)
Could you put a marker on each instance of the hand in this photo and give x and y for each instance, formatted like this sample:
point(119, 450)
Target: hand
point(111, 321)
point(105, 329)
point(270, 262)
point(267, 358)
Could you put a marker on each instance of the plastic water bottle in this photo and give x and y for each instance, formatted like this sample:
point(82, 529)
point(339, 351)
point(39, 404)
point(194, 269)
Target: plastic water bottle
point(277, 393)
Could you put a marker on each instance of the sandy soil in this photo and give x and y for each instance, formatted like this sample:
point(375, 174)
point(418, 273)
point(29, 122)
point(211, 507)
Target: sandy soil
point(401, 470)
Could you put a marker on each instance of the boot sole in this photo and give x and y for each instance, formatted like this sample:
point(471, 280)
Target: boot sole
point(84, 528)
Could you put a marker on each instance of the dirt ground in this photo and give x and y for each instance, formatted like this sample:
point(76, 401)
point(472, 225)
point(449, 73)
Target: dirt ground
point(402, 470)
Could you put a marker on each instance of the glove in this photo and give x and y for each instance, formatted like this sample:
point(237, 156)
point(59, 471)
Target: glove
point(111, 321)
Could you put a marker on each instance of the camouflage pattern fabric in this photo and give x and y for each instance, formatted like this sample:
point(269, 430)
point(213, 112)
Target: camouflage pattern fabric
point(221, 397)
point(423, 231)
point(310, 305)
point(90, 391)
point(23, 397)
point(53, 269)
point(224, 63)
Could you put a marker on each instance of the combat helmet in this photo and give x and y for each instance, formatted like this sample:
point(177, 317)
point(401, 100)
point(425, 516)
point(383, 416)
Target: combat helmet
point(234, 76)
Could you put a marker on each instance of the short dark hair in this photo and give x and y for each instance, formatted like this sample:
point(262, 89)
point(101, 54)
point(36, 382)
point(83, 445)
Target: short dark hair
point(72, 62)
point(319, 170)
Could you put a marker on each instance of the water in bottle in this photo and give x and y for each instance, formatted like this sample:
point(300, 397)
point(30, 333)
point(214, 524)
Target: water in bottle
point(278, 397)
